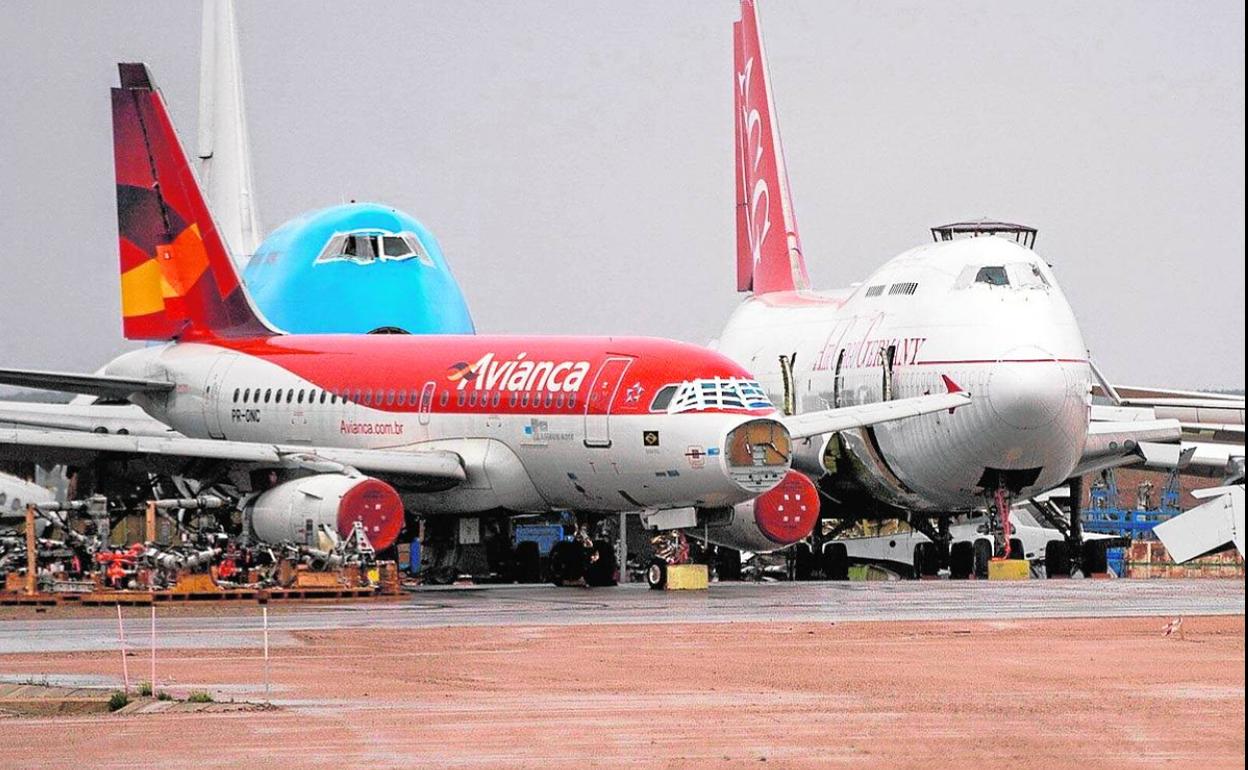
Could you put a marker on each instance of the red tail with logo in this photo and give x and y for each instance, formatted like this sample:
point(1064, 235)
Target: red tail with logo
point(769, 252)
point(177, 279)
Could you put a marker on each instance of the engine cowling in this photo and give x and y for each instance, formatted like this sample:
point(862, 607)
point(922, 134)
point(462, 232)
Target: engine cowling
point(296, 510)
point(777, 518)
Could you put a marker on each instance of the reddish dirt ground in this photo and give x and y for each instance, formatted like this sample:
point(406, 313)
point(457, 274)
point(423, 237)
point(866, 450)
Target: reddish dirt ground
point(1042, 693)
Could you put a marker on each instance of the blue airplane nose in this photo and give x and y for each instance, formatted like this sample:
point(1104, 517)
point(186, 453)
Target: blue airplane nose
point(1027, 389)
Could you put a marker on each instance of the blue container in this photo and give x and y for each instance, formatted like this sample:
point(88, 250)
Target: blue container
point(413, 556)
point(1117, 560)
point(545, 535)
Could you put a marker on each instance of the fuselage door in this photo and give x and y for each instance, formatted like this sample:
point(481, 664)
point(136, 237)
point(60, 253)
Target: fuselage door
point(426, 401)
point(598, 404)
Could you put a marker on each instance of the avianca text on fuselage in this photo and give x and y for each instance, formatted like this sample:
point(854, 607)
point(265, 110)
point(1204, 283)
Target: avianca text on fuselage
point(519, 374)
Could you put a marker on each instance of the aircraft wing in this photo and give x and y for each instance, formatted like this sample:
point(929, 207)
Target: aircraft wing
point(90, 384)
point(429, 467)
point(846, 417)
point(1114, 444)
point(92, 418)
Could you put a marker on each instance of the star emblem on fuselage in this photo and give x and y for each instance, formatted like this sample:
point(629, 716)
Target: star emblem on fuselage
point(633, 394)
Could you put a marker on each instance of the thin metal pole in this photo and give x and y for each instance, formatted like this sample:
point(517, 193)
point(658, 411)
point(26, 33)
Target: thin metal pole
point(125, 667)
point(266, 654)
point(623, 541)
point(153, 679)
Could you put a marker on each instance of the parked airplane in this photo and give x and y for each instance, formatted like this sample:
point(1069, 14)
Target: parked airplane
point(350, 268)
point(329, 430)
point(986, 311)
point(16, 494)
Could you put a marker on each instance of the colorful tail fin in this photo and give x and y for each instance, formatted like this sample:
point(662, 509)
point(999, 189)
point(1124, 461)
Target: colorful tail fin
point(177, 278)
point(769, 252)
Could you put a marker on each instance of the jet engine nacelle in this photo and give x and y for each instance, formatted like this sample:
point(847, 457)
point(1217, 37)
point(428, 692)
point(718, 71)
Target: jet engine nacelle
point(296, 510)
point(777, 518)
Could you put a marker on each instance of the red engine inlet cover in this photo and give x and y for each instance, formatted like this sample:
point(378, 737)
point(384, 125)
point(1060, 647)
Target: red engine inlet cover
point(378, 506)
point(788, 512)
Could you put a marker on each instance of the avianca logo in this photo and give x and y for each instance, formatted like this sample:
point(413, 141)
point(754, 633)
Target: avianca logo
point(752, 149)
point(519, 374)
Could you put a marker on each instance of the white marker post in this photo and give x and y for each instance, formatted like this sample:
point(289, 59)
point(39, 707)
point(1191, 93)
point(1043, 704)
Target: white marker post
point(153, 679)
point(125, 669)
point(266, 655)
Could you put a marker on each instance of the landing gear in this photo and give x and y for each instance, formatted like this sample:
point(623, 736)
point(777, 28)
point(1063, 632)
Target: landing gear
point(727, 563)
point(1057, 559)
point(528, 560)
point(926, 560)
point(1095, 558)
point(656, 574)
point(567, 562)
point(601, 570)
point(962, 560)
point(835, 562)
point(983, 555)
point(803, 562)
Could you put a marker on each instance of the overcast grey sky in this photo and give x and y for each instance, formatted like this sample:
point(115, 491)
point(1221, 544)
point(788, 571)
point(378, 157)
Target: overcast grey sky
point(575, 158)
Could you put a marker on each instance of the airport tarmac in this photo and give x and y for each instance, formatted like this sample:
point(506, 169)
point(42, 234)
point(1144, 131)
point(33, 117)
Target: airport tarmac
point(237, 625)
point(1053, 674)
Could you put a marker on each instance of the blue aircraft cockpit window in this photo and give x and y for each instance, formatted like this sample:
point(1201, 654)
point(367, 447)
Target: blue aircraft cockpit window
point(993, 275)
point(366, 247)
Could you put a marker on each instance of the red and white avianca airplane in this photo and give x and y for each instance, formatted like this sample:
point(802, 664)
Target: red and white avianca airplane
point(984, 311)
point(347, 428)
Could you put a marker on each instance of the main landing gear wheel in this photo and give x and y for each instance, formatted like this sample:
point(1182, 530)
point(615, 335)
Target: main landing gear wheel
point(983, 555)
point(727, 563)
point(803, 562)
point(926, 560)
point(1057, 559)
point(656, 574)
point(962, 560)
point(601, 571)
point(1095, 558)
point(567, 562)
point(836, 562)
point(1016, 549)
point(528, 562)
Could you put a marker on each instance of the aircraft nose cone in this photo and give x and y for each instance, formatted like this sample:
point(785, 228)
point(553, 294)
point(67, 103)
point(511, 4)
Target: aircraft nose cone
point(1027, 388)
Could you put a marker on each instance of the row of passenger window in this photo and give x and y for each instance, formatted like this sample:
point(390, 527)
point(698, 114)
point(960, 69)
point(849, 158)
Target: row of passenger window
point(381, 397)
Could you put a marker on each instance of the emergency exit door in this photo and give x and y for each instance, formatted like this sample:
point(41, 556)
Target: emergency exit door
point(598, 404)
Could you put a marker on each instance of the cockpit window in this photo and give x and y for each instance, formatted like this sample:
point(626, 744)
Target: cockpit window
point(367, 246)
point(718, 393)
point(993, 276)
point(663, 398)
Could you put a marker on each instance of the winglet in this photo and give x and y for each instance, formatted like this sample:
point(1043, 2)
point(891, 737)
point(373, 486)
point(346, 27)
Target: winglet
point(950, 385)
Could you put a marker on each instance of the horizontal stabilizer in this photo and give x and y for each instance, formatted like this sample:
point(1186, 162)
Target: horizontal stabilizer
point(1207, 527)
point(89, 384)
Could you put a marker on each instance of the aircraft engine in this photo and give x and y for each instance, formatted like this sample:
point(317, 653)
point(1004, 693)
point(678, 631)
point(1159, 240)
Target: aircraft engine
point(777, 518)
point(296, 510)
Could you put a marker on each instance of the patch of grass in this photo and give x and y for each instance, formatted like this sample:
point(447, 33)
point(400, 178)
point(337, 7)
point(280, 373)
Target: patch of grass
point(162, 695)
point(199, 697)
point(118, 700)
point(145, 689)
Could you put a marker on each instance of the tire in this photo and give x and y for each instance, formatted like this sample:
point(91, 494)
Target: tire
point(528, 562)
point(962, 560)
point(926, 560)
point(803, 562)
point(1016, 549)
point(836, 562)
point(656, 575)
point(727, 563)
point(567, 562)
point(601, 573)
point(1057, 559)
point(983, 555)
point(1095, 558)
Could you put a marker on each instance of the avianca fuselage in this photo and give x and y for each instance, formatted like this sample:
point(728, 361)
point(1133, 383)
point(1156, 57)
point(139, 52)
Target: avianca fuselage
point(541, 423)
point(985, 311)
